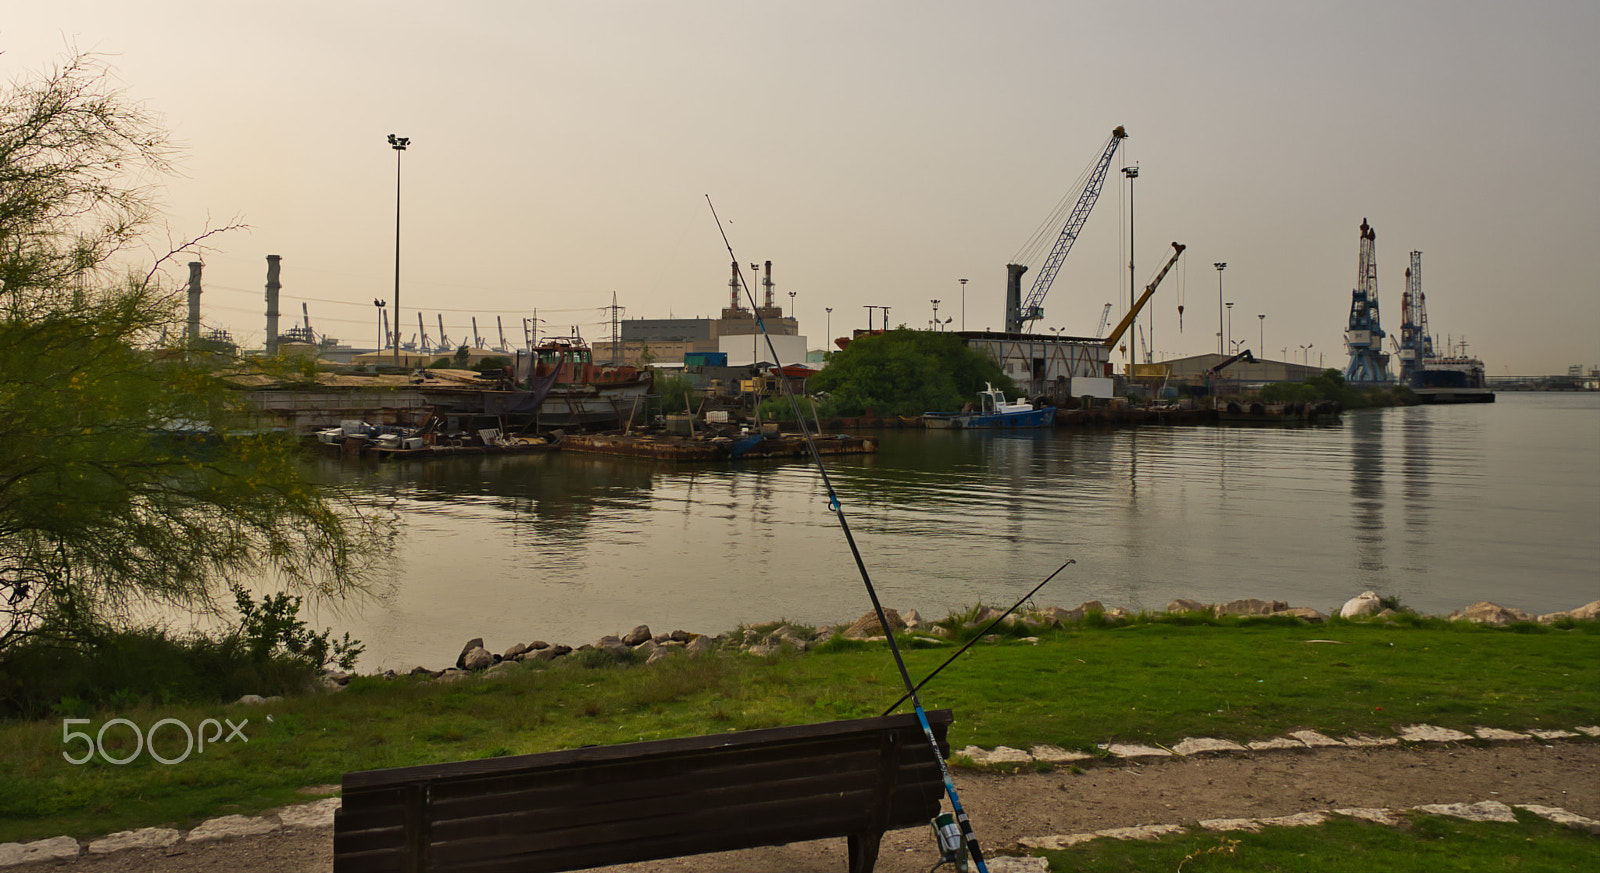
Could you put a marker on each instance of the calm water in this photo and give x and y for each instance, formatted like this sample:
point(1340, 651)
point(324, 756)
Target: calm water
point(1441, 506)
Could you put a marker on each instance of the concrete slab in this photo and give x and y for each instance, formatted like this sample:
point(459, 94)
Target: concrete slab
point(1057, 755)
point(1274, 744)
point(1489, 733)
point(1592, 730)
point(310, 815)
point(1013, 864)
point(1000, 755)
point(1230, 824)
point(1298, 820)
point(1363, 741)
point(1134, 750)
point(1057, 841)
point(1552, 734)
point(1142, 832)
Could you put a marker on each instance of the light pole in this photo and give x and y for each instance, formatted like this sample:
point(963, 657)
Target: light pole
point(398, 143)
point(1220, 265)
point(829, 337)
point(791, 303)
point(380, 304)
point(1263, 338)
point(935, 314)
point(1132, 173)
point(963, 303)
point(1229, 305)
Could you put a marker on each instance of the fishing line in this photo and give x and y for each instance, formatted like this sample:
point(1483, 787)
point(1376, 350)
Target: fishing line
point(980, 635)
point(855, 552)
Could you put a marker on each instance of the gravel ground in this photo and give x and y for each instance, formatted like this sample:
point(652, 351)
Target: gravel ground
point(1005, 809)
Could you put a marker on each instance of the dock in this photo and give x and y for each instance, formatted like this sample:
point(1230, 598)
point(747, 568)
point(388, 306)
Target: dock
point(665, 447)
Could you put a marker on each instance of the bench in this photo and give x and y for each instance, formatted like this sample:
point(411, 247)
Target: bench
point(604, 805)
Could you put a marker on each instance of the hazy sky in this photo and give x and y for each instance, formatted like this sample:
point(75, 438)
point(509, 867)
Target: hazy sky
point(877, 152)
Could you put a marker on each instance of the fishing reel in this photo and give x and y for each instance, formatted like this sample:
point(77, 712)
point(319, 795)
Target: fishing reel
point(952, 849)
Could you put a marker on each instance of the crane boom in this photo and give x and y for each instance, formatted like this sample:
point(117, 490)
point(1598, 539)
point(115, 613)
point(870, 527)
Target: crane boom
point(1019, 311)
point(1122, 326)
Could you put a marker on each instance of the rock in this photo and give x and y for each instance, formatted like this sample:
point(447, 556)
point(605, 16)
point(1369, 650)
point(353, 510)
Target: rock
point(310, 815)
point(550, 653)
point(1117, 613)
point(1304, 613)
point(336, 677)
point(1427, 733)
point(700, 645)
point(233, 826)
point(646, 648)
point(913, 618)
point(514, 653)
point(1559, 816)
point(1000, 755)
point(1057, 755)
point(420, 670)
point(868, 626)
point(1587, 612)
point(144, 838)
point(537, 645)
point(682, 636)
point(1314, 739)
point(1184, 604)
point(452, 676)
point(660, 652)
point(1251, 606)
point(1200, 745)
point(1091, 606)
point(1134, 750)
point(502, 669)
point(614, 646)
point(764, 649)
point(1494, 615)
point(1484, 810)
point(52, 849)
point(1365, 603)
point(637, 635)
point(939, 631)
point(461, 659)
point(251, 699)
point(476, 659)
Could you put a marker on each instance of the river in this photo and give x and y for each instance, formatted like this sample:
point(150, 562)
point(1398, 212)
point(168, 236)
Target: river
point(1440, 506)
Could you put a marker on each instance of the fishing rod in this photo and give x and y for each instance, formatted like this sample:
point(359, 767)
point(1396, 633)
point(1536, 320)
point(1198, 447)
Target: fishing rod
point(980, 635)
point(967, 833)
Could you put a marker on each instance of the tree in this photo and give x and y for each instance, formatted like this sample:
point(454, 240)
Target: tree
point(906, 372)
point(125, 474)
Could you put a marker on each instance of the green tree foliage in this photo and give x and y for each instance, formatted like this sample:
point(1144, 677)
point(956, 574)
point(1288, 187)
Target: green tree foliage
point(123, 476)
point(906, 372)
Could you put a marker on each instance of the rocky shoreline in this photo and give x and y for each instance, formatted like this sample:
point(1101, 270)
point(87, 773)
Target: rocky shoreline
point(641, 645)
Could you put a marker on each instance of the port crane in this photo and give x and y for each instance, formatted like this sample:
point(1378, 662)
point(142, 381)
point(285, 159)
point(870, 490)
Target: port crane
point(1110, 342)
point(1364, 337)
point(1019, 311)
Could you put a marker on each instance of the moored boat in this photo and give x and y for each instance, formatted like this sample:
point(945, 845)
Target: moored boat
point(991, 411)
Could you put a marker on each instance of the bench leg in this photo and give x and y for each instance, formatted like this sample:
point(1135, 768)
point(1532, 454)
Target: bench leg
point(864, 850)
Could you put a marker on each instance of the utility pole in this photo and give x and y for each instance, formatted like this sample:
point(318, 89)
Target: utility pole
point(1220, 265)
point(398, 143)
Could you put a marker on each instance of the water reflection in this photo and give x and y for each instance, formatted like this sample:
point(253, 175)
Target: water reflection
point(1367, 463)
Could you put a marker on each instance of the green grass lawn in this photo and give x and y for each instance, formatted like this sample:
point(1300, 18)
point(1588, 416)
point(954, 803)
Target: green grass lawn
point(1422, 844)
point(1151, 682)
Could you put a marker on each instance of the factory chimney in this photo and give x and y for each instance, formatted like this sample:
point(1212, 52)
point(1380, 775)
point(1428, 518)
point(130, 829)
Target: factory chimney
point(194, 304)
point(733, 288)
point(272, 303)
point(767, 284)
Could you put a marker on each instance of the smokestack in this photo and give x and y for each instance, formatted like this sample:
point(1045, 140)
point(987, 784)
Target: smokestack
point(272, 303)
point(767, 284)
point(733, 287)
point(194, 303)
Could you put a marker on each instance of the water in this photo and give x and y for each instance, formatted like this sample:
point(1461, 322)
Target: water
point(1441, 506)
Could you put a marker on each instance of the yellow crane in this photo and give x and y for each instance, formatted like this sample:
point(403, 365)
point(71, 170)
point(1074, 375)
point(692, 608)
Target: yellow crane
point(1122, 327)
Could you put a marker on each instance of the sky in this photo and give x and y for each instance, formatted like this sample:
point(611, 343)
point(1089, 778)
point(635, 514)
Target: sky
point(877, 153)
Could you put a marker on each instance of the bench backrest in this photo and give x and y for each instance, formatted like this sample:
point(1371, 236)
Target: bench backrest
point(639, 801)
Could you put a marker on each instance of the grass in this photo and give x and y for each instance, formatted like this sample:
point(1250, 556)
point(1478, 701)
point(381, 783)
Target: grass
point(1148, 681)
point(1422, 844)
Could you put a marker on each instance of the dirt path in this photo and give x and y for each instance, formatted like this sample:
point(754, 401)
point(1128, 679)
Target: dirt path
point(1005, 809)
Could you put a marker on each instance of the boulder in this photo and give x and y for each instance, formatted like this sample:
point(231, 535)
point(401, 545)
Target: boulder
point(1494, 615)
point(514, 653)
point(461, 659)
point(1091, 606)
point(536, 645)
point(1304, 613)
point(868, 626)
point(700, 645)
point(420, 670)
point(1363, 604)
point(913, 618)
point(1184, 604)
point(550, 653)
point(637, 635)
point(475, 659)
point(1587, 612)
point(648, 647)
point(1251, 606)
point(662, 651)
point(681, 636)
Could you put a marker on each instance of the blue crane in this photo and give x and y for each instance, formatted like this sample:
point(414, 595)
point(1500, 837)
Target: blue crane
point(1019, 311)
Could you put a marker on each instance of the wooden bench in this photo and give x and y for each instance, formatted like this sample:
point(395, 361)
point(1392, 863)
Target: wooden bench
point(605, 805)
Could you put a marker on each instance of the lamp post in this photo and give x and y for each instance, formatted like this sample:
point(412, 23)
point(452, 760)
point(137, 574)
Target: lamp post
point(1132, 173)
point(379, 304)
point(1262, 340)
point(791, 303)
point(1229, 305)
point(1220, 265)
point(963, 303)
point(397, 143)
point(935, 314)
point(829, 337)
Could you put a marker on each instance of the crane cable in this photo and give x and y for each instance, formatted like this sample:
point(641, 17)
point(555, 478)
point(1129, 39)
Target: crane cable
point(834, 504)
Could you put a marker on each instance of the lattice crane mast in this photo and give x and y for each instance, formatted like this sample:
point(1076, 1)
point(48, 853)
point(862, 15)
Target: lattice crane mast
point(1364, 338)
point(1019, 311)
